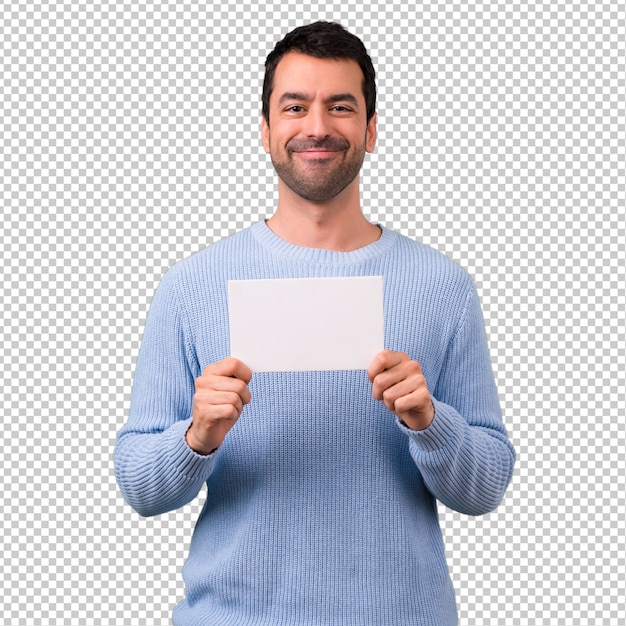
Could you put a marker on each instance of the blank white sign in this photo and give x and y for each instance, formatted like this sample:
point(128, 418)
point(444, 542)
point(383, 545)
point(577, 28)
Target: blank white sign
point(300, 324)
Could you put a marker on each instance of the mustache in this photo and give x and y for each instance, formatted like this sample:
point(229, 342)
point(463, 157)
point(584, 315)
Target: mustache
point(327, 143)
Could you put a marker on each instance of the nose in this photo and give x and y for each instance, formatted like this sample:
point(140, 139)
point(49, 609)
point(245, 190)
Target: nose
point(317, 122)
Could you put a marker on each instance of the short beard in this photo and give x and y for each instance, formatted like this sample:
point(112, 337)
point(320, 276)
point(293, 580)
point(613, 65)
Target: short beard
point(326, 186)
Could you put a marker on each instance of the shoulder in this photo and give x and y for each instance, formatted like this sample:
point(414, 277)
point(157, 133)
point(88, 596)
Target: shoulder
point(214, 260)
point(216, 252)
point(428, 264)
point(200, 280)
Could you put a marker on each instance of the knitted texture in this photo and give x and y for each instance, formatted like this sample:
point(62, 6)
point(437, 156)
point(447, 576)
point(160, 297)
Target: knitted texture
point(321, 506)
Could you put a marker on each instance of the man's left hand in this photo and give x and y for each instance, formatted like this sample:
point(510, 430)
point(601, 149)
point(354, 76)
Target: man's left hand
point(399, 383)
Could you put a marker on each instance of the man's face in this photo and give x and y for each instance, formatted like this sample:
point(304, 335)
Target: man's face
point(318, 133)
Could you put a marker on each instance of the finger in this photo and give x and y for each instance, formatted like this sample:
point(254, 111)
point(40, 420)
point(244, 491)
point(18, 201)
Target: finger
point(406, 397)
point(417, 402)
point(241, 371)
point(211, 409)
point(214, 398)
point(218, 389)
point(230, 367)
point(405, 371)
point(384, 360)
point(211, 378)
point(223, 412)
point(403, 388)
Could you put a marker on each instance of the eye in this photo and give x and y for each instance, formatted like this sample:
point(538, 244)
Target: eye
point(340, 108)
point(294, 108)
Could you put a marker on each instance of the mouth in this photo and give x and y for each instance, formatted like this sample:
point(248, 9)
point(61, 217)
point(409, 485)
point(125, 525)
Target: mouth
point(316, 154)
point(321, 150)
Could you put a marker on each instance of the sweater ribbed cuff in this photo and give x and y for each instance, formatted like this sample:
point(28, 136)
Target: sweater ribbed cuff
point(189, 463)
point(441, 431)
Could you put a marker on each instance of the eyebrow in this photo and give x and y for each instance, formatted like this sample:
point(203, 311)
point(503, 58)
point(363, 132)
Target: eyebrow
point(337, 97)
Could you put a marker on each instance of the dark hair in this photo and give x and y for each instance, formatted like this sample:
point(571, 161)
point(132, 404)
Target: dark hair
point(324, 40)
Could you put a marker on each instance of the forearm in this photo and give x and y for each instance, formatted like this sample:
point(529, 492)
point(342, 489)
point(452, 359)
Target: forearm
point(466, 467)
point(158, 472)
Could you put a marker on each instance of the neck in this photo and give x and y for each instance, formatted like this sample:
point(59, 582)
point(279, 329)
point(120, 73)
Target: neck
point(336, 225)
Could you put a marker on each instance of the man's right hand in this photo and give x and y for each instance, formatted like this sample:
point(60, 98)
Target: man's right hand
point(221, 393)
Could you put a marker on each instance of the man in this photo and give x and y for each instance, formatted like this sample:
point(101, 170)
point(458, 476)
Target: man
point(322, 486)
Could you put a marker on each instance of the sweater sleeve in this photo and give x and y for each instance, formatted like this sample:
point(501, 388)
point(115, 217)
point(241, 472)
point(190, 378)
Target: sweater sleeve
point(155, 468)
point(465, 456)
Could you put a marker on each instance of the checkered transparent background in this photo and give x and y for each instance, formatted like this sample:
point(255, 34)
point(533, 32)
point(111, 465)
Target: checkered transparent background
point(129, 139)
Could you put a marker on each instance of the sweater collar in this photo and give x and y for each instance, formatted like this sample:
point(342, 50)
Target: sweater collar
point(268, 239)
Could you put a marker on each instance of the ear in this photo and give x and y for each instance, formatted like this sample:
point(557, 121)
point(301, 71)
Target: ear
point(370, 134)
point(265, 134)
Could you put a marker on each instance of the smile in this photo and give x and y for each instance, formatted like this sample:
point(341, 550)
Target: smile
point(317, 154)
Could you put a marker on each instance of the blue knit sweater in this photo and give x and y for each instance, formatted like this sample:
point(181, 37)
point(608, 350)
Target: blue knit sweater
point(321, 506)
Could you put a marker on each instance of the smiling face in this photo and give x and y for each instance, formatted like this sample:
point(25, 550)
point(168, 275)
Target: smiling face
point(318, 132)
